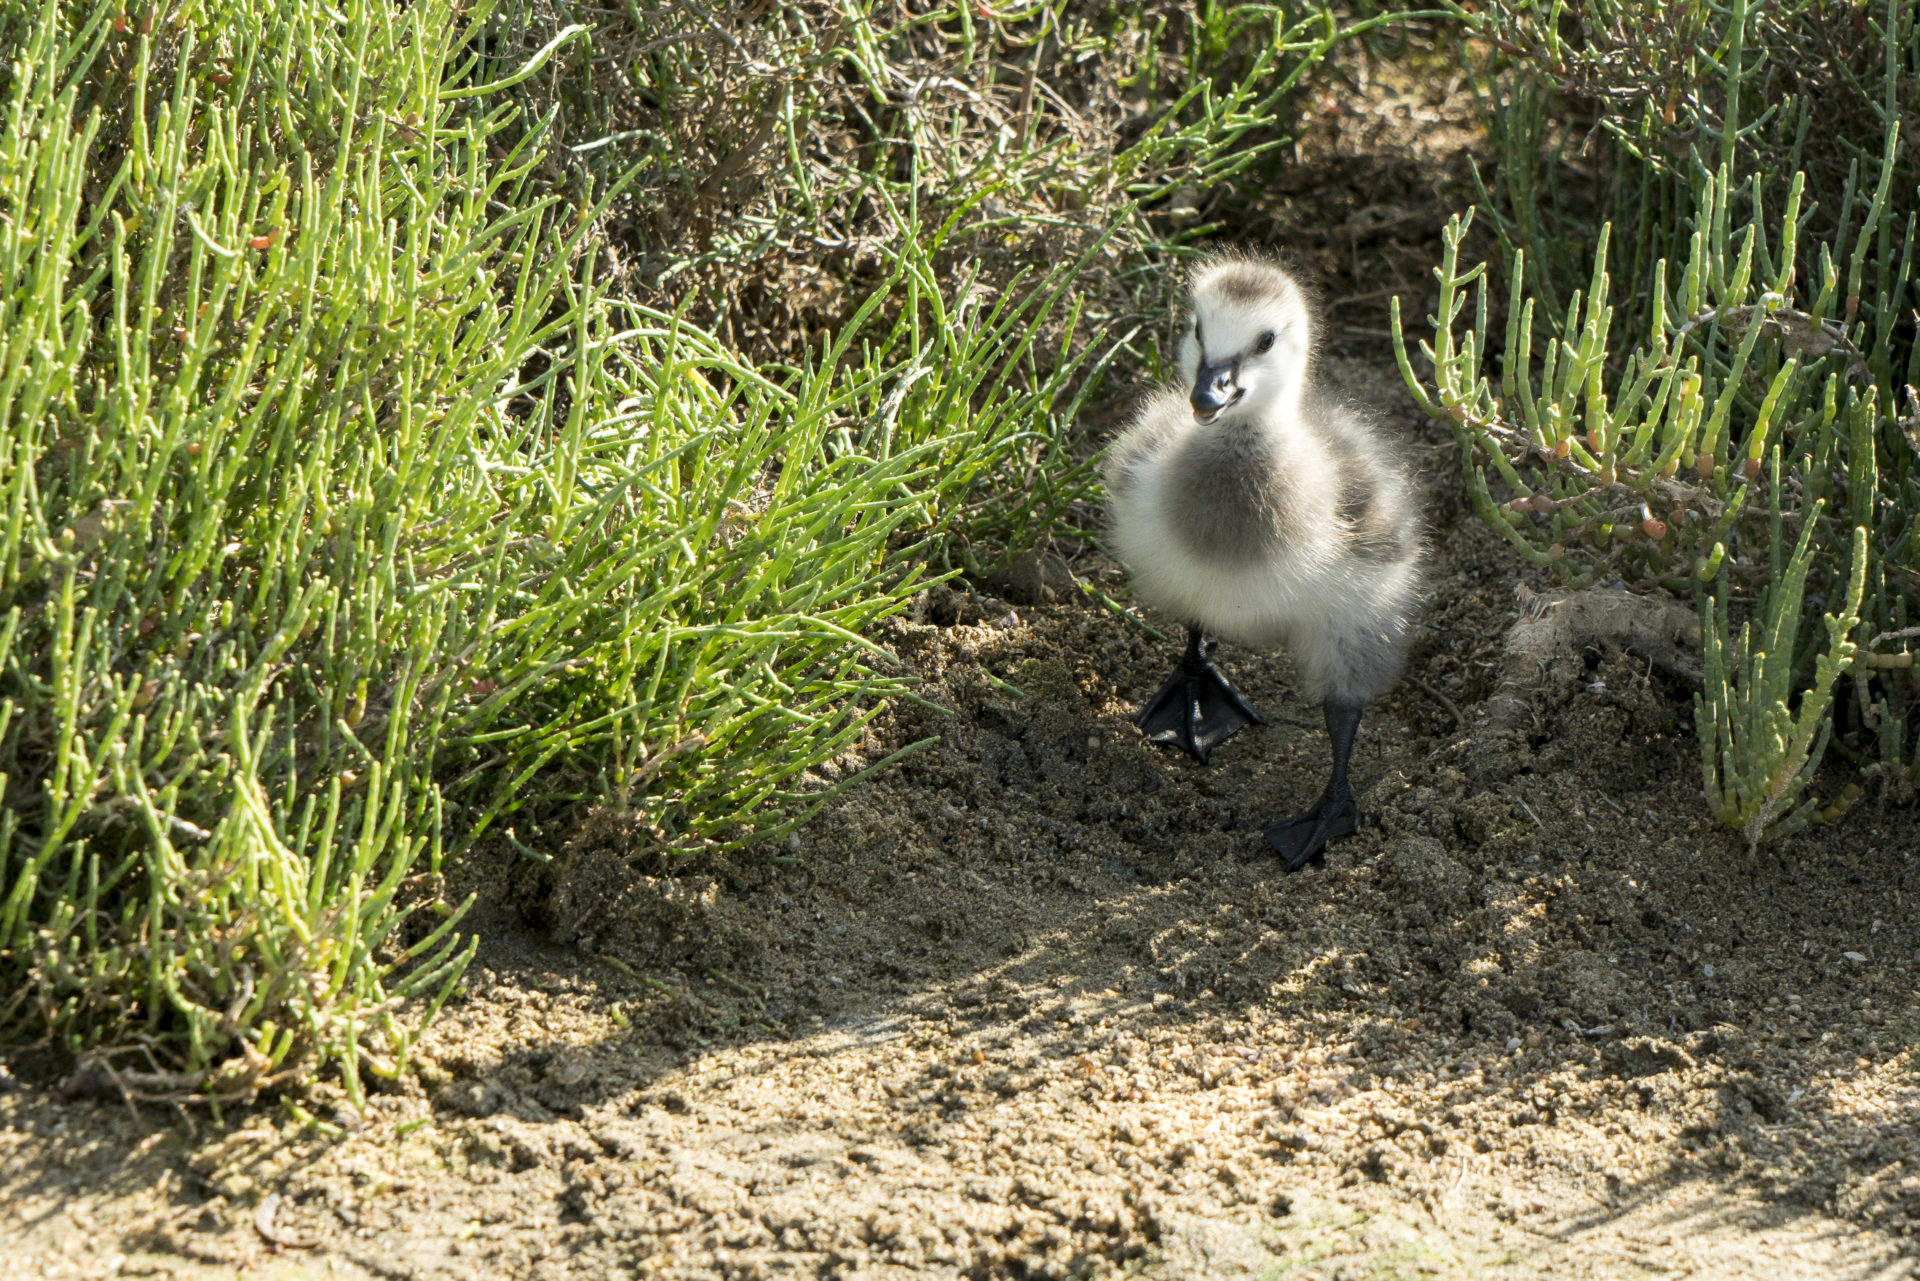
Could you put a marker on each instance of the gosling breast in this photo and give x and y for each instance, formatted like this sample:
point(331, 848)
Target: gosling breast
point(1299, 534)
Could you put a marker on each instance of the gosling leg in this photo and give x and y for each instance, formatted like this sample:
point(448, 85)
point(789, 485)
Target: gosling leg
point(1304, 839)
point(1198, 708)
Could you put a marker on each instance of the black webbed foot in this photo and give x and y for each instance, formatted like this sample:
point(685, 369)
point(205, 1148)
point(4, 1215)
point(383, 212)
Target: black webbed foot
point(1303, 839)
point(1198, 708)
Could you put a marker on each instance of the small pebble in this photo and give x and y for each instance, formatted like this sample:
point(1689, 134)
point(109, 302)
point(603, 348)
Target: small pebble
point(1707, 970)
point(1855, 957)
point(1513, 1043)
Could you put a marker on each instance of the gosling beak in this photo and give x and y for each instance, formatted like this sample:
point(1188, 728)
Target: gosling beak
point(1214, 389)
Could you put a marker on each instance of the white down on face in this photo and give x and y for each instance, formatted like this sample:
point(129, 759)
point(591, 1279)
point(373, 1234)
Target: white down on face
point(1281, 517)
point(1267, 343)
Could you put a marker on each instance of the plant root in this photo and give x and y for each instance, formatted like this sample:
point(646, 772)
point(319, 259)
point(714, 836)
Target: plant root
point(1543, 649)
point(275, 1236)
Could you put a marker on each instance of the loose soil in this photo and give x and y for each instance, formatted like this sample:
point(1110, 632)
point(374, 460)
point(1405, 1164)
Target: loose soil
point(1038, 1002)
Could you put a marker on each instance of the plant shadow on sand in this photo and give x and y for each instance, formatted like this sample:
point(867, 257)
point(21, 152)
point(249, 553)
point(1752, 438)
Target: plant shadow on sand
point(1037, 1002)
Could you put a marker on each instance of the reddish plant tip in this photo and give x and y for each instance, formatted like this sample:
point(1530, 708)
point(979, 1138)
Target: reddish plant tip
point(1703, 464)
point(1562, 447)
point(120, 24)
point(1557, 551)
point(1654, 529)
point(1543, 504)
point(1752, 468)
point(262, 242)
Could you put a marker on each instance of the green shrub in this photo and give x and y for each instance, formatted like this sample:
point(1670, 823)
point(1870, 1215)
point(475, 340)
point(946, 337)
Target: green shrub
point(1747, 446)
point(769, 152)
point(344, 521)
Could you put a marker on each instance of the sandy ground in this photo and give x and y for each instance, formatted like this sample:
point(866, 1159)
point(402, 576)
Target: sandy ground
point(1038, 1003)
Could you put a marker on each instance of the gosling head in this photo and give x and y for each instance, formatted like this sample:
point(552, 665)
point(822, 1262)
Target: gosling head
point(1246, 346)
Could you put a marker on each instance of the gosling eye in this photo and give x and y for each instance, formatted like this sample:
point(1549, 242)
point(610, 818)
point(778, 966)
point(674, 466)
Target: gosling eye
point(1266, 342)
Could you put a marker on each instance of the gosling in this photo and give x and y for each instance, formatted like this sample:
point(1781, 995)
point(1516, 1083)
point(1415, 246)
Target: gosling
point(1262, 512)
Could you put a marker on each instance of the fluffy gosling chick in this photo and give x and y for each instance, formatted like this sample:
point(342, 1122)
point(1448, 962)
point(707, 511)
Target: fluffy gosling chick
point(1264, 513)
